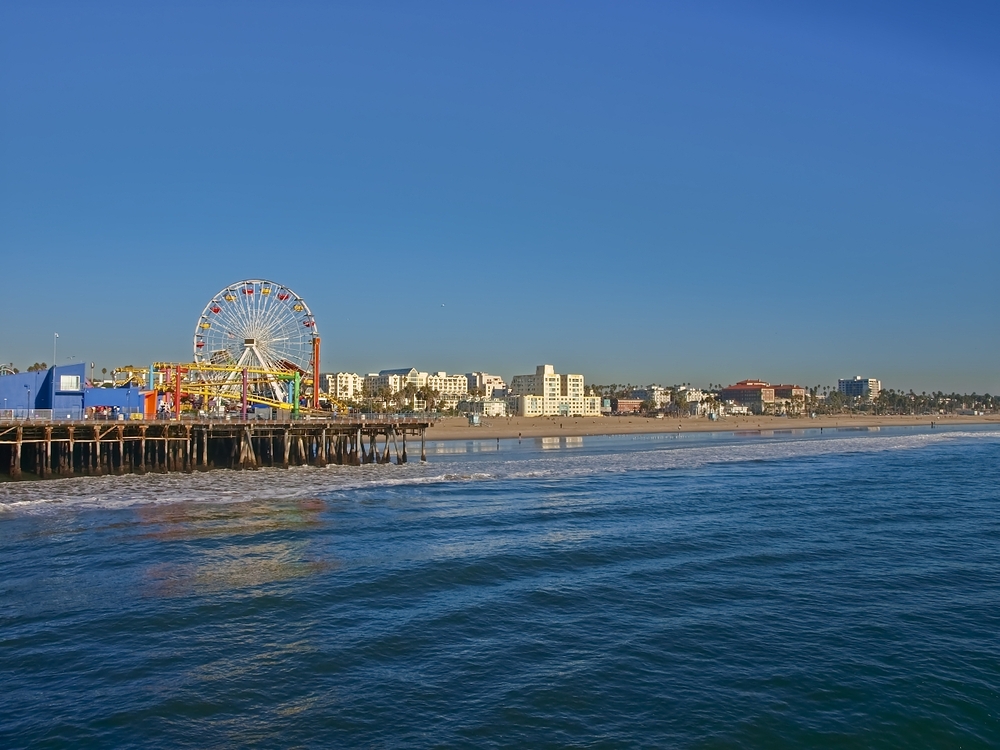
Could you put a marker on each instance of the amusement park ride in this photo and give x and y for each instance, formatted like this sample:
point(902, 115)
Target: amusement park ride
point(255, 342)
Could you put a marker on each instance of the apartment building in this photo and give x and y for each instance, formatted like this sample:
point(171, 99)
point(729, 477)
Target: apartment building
point(394, 380)
point(485, 382)
point(547, 393)
point(447, 385)
point(659, 395)
point(450, 388)
point(859, 387)
point(344, 386)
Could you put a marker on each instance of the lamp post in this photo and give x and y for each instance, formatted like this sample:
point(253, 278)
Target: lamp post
point(29, 399)
point(55, 338)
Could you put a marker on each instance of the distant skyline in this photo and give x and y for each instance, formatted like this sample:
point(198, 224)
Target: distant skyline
point(650, 192)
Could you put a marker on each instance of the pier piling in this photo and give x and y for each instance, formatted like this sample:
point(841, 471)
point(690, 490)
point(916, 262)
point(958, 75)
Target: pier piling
point(45, 450)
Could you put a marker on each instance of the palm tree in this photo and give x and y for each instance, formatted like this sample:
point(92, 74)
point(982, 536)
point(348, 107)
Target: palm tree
point(680, 399)
point(711, 404)
point(431, 395)
point(382, 396)
point(406, 395)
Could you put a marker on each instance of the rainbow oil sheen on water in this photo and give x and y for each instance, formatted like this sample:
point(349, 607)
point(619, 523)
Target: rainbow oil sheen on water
point(714, 590)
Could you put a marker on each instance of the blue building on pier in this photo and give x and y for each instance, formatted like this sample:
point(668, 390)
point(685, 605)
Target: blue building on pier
point(59, 388)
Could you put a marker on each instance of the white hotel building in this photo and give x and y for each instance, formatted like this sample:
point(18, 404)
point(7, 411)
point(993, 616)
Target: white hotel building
point(548, 394)
point(485, 382)
point(344, 386)
point(450, 388)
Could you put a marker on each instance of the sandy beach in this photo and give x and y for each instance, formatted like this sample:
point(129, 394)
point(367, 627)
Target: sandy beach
point(457, 428)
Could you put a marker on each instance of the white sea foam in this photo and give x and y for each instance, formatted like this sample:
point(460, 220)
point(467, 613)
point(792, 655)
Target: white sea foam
point(292, 484)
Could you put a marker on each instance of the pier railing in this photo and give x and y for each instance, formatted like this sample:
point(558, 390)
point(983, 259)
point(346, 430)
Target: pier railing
point(31, 415)
point(80, 415)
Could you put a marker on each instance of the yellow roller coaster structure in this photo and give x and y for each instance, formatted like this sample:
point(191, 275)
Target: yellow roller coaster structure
point(247, 385)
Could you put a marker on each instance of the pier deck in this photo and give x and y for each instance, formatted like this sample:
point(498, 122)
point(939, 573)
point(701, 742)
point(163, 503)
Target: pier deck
point(47, 450)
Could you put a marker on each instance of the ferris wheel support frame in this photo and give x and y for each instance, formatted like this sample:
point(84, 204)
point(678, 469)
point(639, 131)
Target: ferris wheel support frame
point(315, 364)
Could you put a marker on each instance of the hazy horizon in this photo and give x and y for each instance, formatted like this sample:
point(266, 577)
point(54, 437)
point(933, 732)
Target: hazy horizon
point(643, 193)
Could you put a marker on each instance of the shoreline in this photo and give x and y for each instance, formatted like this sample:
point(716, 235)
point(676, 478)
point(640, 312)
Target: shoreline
point(504, 428)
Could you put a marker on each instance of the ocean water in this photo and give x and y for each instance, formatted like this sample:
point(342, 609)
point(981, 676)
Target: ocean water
point(783, 590)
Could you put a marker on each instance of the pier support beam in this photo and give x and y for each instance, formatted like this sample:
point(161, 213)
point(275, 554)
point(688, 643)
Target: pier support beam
point(120, 469)
point(15, 455)
point(46, 454)
point(96, 456)
point(72, 454)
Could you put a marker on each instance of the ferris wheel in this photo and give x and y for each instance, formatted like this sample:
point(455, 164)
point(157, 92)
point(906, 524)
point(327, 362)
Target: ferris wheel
point(257, 324)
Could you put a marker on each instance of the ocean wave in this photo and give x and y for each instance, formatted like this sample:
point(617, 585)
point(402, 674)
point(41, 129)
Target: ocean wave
point(223, 486)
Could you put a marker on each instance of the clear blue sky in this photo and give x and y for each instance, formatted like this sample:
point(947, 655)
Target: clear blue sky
point(642, 192)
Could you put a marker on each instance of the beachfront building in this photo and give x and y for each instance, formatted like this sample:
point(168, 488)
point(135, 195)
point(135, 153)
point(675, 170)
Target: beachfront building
point(867, 389)
point(547, 393)
point(525, 405)
point(789, 399)
point(447, 385)
point(689, 395)
point(487, 407)
point(659, 395)
point(734, 409)
point(484, 384)
point(450, 388)
point(755, 395)
point(697, 402)
point(626, 405)
point(761, 397)
point(393, 381)
point(344, 386)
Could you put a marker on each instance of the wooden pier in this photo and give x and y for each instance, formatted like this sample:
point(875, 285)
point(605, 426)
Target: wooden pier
point(47, 450)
